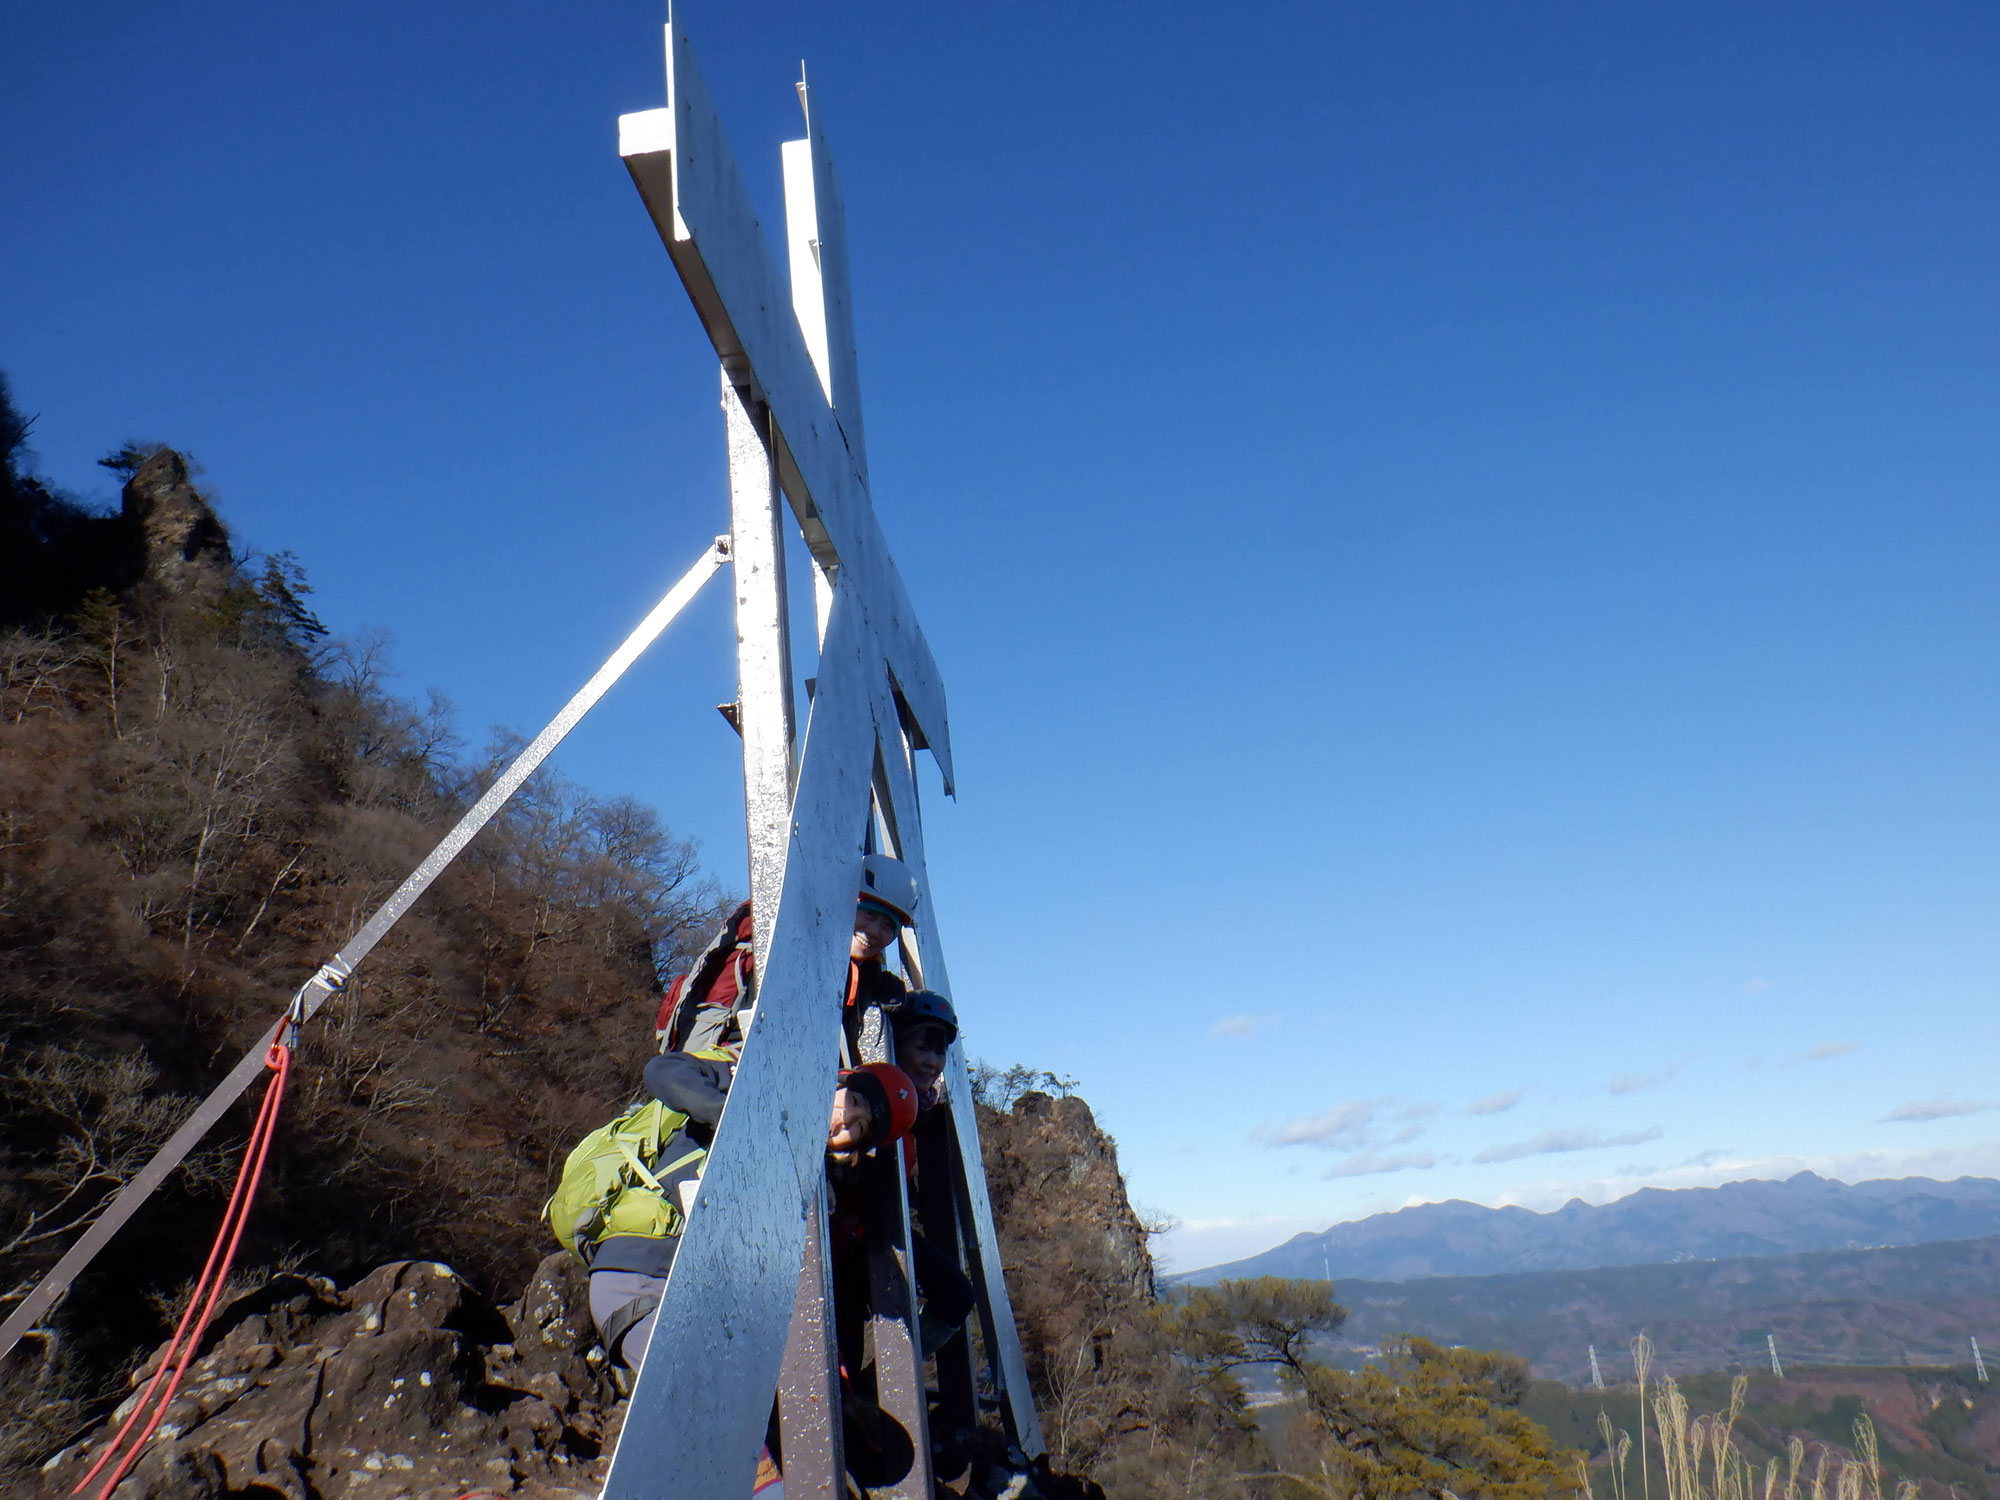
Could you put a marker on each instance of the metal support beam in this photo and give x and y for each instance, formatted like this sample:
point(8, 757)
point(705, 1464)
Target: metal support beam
point(680, 161)
point(937, 1213)
point(809, 1380)
point(703, 1393)
point(792, 393)
point(764, 707)
point(892, 1292)
point(822, 295)
point(892, 1321)
point(898, 792)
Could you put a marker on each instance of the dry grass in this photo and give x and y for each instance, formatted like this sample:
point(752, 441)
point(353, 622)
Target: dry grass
point(1700, 1459)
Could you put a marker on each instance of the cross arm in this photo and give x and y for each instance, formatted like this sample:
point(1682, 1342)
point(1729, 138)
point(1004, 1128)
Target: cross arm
point(688, 179)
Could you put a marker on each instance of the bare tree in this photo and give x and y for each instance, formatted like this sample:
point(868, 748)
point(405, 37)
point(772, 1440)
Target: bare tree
point(107, 1117)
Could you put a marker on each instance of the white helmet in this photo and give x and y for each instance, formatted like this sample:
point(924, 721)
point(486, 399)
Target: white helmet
point(888, 882)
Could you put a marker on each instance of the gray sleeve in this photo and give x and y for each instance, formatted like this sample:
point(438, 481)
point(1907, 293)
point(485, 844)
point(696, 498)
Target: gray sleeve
point(696, 1086)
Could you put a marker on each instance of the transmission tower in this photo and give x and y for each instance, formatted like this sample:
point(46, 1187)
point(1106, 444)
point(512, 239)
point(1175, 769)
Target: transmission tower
point(1978, 1364)
point(1771, 1343)
point(1596, 1375)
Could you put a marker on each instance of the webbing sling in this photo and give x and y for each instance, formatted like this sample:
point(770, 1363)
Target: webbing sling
point(631, 1155)
point(333, 974)
point(624, 1318)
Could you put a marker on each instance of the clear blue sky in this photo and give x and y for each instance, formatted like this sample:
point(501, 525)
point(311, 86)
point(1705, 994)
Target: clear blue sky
point(1462, 537)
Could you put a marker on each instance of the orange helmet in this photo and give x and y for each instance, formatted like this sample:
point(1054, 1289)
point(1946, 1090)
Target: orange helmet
point(902, 1097)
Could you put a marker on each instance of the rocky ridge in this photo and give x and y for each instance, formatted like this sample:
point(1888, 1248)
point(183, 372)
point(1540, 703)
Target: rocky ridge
point(405, 1386)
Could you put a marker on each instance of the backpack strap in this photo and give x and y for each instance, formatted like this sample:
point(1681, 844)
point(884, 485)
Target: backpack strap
point(625, 1149)
point(623, 1318)
point(678, 1162)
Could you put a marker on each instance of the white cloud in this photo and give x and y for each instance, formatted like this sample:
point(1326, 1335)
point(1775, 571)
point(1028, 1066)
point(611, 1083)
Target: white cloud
point(1345, 1125)
point(1407, 1134)
point(1699, 1159)
point(1944, 1107)
point(1556, 1142)
point(1632, 1083)
point(1372, 1164)
point(1241, 1026)
point(1495, 1104)
point(1820, 1053)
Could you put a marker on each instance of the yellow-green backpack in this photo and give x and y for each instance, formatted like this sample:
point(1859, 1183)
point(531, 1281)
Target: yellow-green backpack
point(611, 1182)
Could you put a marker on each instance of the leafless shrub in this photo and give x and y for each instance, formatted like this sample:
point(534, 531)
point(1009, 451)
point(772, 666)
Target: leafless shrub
point(107, 1119)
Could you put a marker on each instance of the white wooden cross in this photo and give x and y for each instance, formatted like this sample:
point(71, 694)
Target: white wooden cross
point(792, 409)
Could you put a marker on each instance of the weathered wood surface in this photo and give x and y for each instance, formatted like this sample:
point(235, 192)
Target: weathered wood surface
point(703, 1394)
point(764, 705)
point(682, 165)
point(898, 779)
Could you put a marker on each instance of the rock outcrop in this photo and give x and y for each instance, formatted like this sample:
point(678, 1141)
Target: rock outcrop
point(180, 543)
point(1048, 1165)
point(407, 1384)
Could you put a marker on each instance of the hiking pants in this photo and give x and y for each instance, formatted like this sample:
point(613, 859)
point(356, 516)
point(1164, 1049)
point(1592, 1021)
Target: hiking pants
point(622, 1305)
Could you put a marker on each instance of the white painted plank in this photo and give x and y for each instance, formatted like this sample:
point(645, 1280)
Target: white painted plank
point(764, 708)
point(896, 792)
point(830, 286)
point(698, 1411)
point(701, 209)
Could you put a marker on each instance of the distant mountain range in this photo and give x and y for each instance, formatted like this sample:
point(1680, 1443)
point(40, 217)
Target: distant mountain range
point(1910, 1305)
point(1801, 1213)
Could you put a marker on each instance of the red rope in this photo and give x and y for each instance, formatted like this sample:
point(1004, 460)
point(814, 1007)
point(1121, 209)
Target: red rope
point(214, 1278)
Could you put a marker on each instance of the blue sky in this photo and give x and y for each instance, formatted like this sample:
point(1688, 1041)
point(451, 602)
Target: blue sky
point(1461, 537)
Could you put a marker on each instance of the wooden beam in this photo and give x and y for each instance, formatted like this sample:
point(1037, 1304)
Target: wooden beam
point(703, 1394)
point(896, 793)
point(687, 177)
point(822, 293)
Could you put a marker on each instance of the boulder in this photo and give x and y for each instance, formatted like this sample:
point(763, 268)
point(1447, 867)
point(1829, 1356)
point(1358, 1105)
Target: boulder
point(405, 1386)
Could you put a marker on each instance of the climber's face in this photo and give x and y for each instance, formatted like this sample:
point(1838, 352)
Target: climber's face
point(920, 1052)
point(873, 933)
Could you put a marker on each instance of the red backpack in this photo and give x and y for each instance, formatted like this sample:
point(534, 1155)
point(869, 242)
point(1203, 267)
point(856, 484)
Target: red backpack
point(720, 983)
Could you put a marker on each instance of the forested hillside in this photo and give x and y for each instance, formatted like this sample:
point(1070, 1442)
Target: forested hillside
point(201, 795)
point(1910, 1304)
